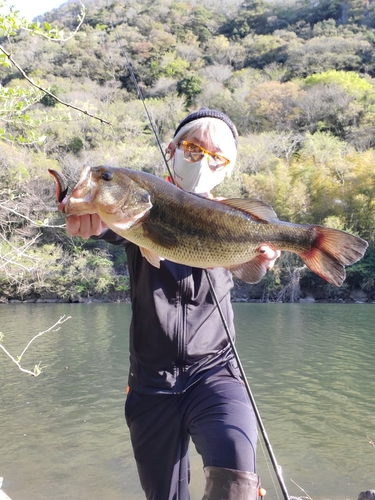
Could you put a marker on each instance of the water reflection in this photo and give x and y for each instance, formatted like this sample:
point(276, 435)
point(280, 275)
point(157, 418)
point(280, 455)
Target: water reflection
point(310, 366)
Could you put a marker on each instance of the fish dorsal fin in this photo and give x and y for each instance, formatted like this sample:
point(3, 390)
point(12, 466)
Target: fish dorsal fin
point(151, 257)
point(257, 208)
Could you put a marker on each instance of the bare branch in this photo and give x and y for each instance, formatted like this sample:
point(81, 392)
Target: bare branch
point(81, 18)
point(16, 65)
point(38, 224)
point(307, 495)
point(371, 441)
point(8, 257)
point(37, 368)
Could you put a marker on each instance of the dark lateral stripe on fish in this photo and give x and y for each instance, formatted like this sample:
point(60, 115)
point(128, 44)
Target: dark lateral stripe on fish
point(210, 227)
point(157, 221)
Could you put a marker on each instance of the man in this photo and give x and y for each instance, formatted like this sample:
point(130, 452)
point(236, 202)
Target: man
point(184, 381)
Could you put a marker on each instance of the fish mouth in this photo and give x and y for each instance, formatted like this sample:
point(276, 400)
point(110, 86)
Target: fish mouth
point(82, 196)
point(82, 193)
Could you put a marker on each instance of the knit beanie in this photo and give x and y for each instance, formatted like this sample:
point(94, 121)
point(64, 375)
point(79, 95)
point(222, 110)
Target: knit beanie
point(209, 113)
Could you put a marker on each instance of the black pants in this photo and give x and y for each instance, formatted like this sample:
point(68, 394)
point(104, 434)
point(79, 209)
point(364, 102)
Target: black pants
point(216, 413)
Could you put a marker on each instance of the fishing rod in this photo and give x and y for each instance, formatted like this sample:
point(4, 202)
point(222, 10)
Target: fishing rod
point(141, 98)
point(266, 440)
point(276, 466)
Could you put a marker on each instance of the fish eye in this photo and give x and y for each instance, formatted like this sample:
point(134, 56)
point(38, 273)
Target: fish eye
point(107, 176)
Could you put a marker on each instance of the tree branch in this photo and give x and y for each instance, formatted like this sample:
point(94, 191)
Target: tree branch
point(42, 224)
point(81, 18)
point(37, 368)
point(371, 441)
point(16, 65)
point(18, 252)
point(307, 495)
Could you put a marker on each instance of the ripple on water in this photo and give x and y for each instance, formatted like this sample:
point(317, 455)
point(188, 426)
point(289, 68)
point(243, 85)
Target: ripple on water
point(310, 367)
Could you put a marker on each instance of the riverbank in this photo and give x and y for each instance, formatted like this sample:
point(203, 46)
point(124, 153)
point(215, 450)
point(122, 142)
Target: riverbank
point(262, 292)
point(88, 300)
point(324, 293)
point(238, 296)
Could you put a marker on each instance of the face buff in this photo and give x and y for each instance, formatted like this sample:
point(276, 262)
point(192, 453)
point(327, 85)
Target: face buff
point(195, 177)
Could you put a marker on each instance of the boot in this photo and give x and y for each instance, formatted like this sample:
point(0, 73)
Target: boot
point(230, 484)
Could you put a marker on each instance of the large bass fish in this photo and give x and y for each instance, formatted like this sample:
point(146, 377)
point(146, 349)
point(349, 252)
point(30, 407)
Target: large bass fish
point(169, 223)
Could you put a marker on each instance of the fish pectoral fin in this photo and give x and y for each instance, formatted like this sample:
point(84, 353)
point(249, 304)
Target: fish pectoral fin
point(151, 257)
point(126, 222)
point(252, 271)
point(257, 208)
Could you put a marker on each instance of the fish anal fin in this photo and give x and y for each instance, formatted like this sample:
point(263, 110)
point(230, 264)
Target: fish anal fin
point(325, 266)
point(256, 208)
point(252, 271)
point(151, 257)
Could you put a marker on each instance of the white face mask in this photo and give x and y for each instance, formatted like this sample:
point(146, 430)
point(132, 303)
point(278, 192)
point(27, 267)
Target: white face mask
point(195, 177)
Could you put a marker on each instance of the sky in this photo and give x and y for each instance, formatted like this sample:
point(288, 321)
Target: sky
point(32, 8)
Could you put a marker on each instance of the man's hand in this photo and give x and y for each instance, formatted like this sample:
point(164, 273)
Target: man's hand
point(269, 255)
point(83, 225)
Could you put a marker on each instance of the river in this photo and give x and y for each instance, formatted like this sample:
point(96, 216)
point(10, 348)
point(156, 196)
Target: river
point(311, 368)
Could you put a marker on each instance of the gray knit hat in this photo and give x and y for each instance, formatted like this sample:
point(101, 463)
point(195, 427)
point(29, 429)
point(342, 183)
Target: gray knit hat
point(210, 113)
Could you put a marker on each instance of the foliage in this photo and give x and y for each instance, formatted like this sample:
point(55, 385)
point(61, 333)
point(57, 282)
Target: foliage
point(18, 125)
point(348, 80)
point(298, 82)
point(47, 272)
point(189, 86)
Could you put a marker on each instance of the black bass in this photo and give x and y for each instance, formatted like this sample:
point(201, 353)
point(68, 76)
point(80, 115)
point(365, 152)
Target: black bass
point(169, 223)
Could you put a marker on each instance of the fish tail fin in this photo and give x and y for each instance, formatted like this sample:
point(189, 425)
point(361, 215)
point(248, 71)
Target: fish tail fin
point(331, 250)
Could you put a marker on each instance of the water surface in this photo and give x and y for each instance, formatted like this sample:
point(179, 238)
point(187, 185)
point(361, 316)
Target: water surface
point(311, 369)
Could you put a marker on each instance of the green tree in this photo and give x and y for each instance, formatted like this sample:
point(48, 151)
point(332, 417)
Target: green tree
point(190, 87)
point(252, 18)
point(350, 81)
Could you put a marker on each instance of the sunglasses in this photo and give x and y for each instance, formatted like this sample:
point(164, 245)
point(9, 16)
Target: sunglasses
point(194, 153)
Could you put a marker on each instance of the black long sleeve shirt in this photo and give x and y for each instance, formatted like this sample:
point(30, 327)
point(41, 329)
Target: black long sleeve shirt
point(176, 332)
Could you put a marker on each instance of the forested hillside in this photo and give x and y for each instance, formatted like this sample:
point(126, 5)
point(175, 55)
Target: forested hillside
point(297, 78)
